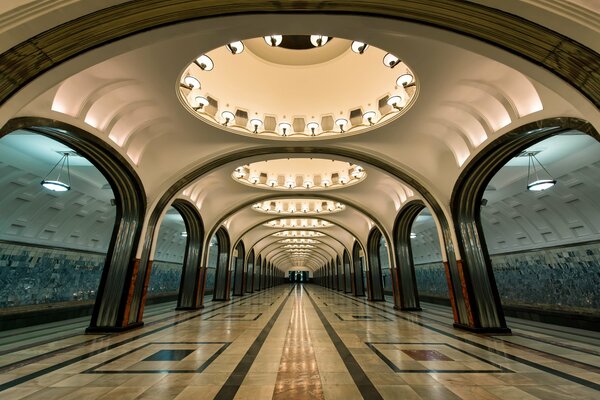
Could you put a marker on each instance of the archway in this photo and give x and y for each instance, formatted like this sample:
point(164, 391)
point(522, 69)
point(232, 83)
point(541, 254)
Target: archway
point(115, 295)
point(165, 275)
point(250, 272)
point(340, 274)
point(256, 277)
point(420, 267)
point(480, 291)
point(358, 264)
point(347, 272)
point(218, 265)
point(376, 247)
point(53, 244)
point(239, 256)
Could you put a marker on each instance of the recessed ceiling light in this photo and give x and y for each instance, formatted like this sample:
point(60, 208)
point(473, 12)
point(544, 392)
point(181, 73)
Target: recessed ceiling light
point(235, 47)
point(191, 82)
point(273, 40)
point(359, 47)
point(404, 80)
point(205, 62)
point(390, 60)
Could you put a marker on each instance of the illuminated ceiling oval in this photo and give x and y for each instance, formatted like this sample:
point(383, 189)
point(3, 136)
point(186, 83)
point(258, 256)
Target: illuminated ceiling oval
point(299, 174)
point(295, 88)
point(299, 234)
point(307, 206)
point(298, 223)
point(299, 241)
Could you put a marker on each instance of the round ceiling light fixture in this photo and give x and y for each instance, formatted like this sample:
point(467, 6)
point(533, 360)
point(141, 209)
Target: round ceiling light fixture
point(319, 40)
point(299, 174)
point(298, 223)
point(205, 63)
point(235, 47)
point(273, 40)
point(299, 241)
point(299, 234)
point(359, 47)
point(274, 101)
point(301, 206)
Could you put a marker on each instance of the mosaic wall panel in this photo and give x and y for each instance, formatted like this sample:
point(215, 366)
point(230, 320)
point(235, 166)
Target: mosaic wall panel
point(558, 278)
point(165, 277)
point(565, 278)
point(431, 279)
point(36, 275)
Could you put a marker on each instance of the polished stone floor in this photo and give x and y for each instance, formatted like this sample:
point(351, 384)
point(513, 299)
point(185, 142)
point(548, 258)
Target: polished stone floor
point(294, 342)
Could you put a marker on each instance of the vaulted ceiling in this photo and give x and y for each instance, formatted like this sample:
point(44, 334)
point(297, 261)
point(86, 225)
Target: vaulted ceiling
point(468, 93)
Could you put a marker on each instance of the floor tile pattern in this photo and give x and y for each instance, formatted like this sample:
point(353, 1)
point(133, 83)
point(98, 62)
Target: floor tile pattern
point(299, 343)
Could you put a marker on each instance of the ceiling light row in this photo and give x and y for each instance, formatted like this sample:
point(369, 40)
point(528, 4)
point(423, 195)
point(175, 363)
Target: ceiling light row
point(293, 223)
point(294, 206)
point(298, 246)
point(300, 241)
point(290, 181)
point(299, 234)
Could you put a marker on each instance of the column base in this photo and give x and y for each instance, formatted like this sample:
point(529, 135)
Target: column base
point(496, 330)
point(113, 329)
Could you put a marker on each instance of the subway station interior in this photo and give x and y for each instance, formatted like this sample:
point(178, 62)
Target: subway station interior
point(254, 199)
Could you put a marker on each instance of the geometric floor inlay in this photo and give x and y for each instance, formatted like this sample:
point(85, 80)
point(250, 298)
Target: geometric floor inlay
point(361, 317)
point(234, 317)
point(432, 358)
point(162, 357)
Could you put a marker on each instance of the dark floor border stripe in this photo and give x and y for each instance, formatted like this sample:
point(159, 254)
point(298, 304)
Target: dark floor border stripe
point(33, 375)
point(234, 381)
point(560, 374)
point(360, 378)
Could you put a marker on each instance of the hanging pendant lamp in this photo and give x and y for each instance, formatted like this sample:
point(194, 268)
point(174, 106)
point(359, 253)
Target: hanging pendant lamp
point(534, 182)
point(56, 185)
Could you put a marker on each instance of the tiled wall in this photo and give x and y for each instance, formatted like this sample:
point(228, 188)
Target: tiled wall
point(165, 277)
point(559, 278)
point(431, 279)
point(37, 275)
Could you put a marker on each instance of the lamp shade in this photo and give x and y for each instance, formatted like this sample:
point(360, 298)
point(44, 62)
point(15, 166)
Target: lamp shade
point(191, 82)
point(541, 184)
point(273, 40)
point(55, 186)
point(390, 60)
point(358, 47)
point(205, 62)
point(235, 47)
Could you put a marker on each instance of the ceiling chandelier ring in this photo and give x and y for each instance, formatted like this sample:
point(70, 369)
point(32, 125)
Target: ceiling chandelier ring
point(238, 87)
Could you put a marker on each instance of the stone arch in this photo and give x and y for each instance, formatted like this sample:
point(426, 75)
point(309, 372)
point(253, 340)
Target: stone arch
point(479, 287)
point(112, 308)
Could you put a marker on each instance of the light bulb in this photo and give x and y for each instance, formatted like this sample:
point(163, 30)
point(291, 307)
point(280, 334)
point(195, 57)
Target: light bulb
point(235, 47)
point(404, 80)
point(191, 82)
point(390, 60)
point(359, 47)
point(273, 40)
point(204, 62)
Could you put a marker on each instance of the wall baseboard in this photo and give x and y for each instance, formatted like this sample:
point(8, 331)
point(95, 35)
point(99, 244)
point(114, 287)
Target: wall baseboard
point(590, 322)
point(45, 313)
